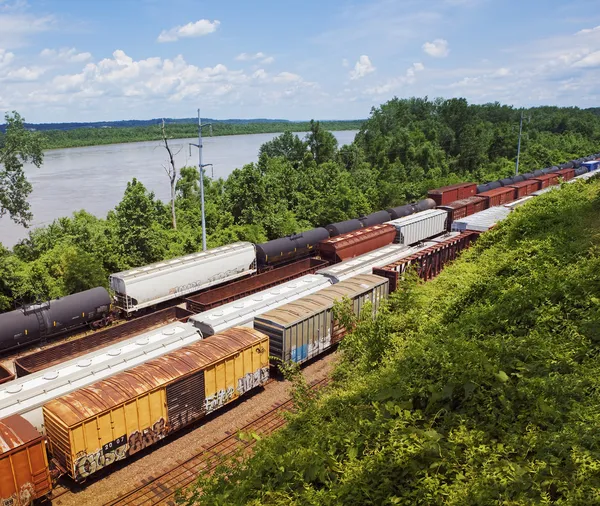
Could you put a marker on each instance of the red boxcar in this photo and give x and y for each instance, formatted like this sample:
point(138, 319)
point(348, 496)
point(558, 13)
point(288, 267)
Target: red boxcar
point(525, 188)
point(566, 174)
point(499, 196)
point(462, 208)
point(24, 473)
point(447, 194)
point(359, 242)
point(547, 180)
point(5, 375)
point(429, 262)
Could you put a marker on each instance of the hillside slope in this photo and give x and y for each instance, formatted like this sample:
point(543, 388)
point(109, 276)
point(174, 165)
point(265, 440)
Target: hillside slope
point(479, 387)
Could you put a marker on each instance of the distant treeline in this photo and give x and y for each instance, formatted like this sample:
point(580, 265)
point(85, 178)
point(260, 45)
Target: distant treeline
point(118, 132)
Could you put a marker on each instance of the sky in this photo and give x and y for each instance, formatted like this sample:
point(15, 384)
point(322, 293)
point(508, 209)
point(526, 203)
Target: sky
point(92, 60)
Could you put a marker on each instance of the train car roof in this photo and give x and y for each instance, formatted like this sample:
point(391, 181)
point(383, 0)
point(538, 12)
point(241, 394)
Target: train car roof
point(34, 390)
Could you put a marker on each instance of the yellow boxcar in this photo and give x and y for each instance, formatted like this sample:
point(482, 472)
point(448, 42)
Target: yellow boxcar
point(24, 474)
point(117, 417)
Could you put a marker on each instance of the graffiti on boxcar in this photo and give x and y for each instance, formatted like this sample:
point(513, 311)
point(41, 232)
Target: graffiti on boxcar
point(139, 440)
point(26, 496)
point(88, 464)
point(252, 380)
point(219, 399)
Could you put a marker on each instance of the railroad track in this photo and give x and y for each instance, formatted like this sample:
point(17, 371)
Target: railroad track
point(161, 489)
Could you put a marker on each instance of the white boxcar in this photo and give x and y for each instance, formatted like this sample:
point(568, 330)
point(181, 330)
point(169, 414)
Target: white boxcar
point(483, 221)
point(242, 312)
point(420, 226)
point(149, 285)
point(363, 264)
point(26, 396)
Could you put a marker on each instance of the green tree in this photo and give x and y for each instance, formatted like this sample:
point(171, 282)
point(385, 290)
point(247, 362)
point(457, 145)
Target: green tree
point(17, 146)
point(287, 145)
point(322, 144)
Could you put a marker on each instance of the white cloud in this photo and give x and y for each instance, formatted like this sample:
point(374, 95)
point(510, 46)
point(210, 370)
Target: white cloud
point(286, 77)
point(198, 29)
point(362, 67)
point(6, 58)
point(438, 48)
point(345, 62)
point(66, 55)
point(591, 60)
point(596, 29)
point(264, 59)
point(268, 60)
point(23, 74)
point(396, 83)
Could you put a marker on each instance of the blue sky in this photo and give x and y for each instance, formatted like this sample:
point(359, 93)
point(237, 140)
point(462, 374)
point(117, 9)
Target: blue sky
point(88, 60)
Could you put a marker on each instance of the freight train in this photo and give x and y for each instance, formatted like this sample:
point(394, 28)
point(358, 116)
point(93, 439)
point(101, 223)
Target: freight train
point(143, 288)
point(97, 407)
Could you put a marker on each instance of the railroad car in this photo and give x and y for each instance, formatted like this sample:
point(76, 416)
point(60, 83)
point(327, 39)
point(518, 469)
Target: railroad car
point(263, 281)
point(305, 328)
point(24, 472)
point(242, 311)
point(453, 192)
point(429, 261)
point(420, 226)
point(26, 396)
point(483, 221)
point(342, 227)
point(361, 241)
point(376, 218)
point(38, 322)
point(525, 188)
point(152, 284)
point(5, 375)
point(115, 418)
point(547, 180)
point(566, 173)
point(498, 196)
point(364, 264)
point(591, 165)
point(68, 350)
point(461, 208)
point(287, 249)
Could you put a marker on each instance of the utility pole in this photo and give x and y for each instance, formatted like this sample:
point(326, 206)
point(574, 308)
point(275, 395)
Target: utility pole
point(519, 145)
point(201, 169)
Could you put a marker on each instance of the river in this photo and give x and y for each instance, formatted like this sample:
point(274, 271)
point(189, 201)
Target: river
point(94, 178)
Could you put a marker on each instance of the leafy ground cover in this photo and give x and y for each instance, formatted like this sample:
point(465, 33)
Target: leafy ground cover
point(479, 387)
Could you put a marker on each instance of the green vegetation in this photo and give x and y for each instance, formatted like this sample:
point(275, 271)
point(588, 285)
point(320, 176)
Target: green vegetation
point(405, 148)
point(107, 135)
point(480, 387)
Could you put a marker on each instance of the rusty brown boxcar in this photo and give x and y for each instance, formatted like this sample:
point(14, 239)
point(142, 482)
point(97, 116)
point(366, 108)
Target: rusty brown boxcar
point(447, 194)
point(239, 289)
point(547, 180)
point(566, 174)
point(5, 375)
point(66, 351)
point(345, 246)
point(113, 419)
point(24, 473)
point(464, 207)
point(525, 188)
point(429, 262)
point(498, 196)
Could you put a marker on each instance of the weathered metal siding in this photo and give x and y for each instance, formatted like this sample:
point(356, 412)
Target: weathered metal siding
point(547, 180)
point(149, 285)
point(303, 329)
point(499, 196)
point(345, 246)
point(115, 418)
point(185, 400)
point(5, 375)
point(566, 174)
point(248, 286)
point(420, 226)
point(525, 188)
point(447, 194)
point(428, 262)
point(464, 207)
point(24, 474)
point(50, 357)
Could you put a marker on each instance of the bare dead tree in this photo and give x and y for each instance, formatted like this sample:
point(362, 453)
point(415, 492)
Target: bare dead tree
point(171, 171)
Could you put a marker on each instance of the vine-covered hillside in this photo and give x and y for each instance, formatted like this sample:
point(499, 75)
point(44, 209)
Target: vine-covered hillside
point(479, 387)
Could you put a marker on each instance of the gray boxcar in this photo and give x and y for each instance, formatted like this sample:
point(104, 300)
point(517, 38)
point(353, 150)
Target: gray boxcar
point(420, 226)
point(303, 329)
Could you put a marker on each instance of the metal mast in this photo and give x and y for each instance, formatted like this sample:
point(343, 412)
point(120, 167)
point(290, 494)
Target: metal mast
point(519, 145)
point(201, 169)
